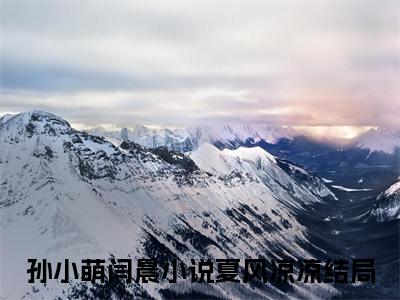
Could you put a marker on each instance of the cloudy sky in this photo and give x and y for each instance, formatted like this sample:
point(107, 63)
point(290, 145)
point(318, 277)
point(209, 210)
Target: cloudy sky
point(173, 64)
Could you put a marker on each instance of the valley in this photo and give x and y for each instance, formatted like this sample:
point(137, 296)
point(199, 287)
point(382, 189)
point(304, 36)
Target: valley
point(348, 231)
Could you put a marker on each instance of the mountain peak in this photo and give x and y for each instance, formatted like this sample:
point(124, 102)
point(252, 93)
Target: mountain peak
point(379, 139)
point(36, 115)
point(34, 122)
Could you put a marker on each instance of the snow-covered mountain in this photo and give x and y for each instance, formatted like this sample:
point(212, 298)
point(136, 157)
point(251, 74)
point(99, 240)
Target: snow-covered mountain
point(68, 194)
point(187, 139)
point(233, 136)
point(387, 204)
point(380, 139)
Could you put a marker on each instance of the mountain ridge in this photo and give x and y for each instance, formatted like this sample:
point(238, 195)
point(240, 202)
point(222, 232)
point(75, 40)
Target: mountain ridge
point(186, 139)
point(72, 194)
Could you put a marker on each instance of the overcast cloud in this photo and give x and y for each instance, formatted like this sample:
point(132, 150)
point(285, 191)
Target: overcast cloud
point(175, 64)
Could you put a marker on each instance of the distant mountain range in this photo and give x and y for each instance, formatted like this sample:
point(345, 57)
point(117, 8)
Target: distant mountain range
point(375, 151)
point(230, 136)
point(188, 139)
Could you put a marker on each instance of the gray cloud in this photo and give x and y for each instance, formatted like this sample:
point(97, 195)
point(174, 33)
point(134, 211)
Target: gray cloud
point(298, 63)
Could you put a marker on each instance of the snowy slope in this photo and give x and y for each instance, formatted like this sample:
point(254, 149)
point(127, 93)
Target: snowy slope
point(387, 204)
point(257, 164)
point(66, 193)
